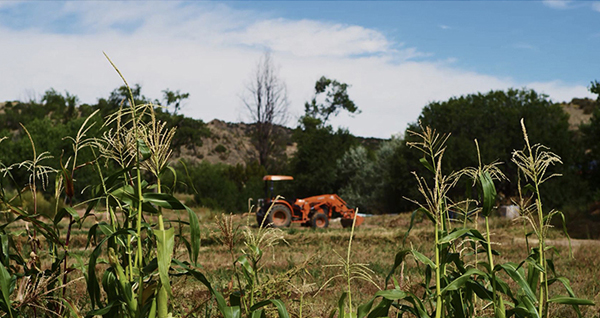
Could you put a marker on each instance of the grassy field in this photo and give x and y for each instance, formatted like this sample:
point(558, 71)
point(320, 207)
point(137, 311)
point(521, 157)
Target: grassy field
point(297, 268)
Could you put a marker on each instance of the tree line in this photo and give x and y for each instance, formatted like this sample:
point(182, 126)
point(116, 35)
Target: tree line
point(376, 178)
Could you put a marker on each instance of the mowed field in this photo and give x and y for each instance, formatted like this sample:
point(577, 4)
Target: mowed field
point(302, 268)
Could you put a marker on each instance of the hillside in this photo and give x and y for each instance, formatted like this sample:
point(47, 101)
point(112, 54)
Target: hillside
point(580, 111)
point(231, 143)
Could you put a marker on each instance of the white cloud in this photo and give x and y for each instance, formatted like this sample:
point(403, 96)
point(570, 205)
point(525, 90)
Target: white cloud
point(444, 27)
point(596, 6)
point(557, 4)
point(210, 50)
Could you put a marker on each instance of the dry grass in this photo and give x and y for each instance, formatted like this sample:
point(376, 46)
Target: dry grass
point(297, 269)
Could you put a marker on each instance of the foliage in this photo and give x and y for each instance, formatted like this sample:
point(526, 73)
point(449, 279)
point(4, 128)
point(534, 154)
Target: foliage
point(493, 119)
point(460, 278)
point(590, 137)
point(218, 186)
point(314, 165)
point(174, 98)
point(374, 179)
point(336, 99)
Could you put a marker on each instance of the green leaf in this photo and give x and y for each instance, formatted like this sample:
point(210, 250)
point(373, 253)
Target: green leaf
point(480, 290)
point(529, 304)
point(104, 310)
point(499, 308)
point(341, 303)
point(365, 308)
point(247, 267)
point(165, 241)
point(462, 280)
point(164, 200)
point(92, 281)
point(516, 276)
point(571, 301)
point(259, 313)
point(143, 149)
point(282, 312)
point(64, 211)
point(391, 294)
point(488, 193)
point(476, 234)
point(195, 238)
point(5, 282)
point(382, 309)
point(72, 309)
point(397, 262)
point(226, 311)
point(423, 259)
point(170, 202)
point(456, 233)
point(427, 165)
point(412, 221)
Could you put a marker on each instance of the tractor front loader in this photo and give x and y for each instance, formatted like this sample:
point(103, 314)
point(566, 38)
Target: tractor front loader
point(315, 211)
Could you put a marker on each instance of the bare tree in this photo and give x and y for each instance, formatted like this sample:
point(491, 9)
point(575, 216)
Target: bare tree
point(267, 106)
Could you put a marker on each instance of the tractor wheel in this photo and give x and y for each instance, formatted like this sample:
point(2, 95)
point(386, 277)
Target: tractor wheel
point(280, 216)
point(319, 221)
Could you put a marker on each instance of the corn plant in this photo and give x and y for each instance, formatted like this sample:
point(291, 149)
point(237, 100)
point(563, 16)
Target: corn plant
point(458, 283)
point(533, 163)
point(137, 282)
point(349, 272)
point(244, 300)
point(27, 288)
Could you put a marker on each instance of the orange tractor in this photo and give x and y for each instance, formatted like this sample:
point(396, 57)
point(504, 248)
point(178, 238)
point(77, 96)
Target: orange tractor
point(314, 211)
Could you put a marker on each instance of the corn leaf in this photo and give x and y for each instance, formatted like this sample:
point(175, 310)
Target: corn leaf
point(281, 311)
point(64, 211)
point(456, 233)
point(5, 282)
point(92, 281)
point(72, 309)
point(341, 303)
point(426, 164)
point(528, 302)
point(462, 280)
point(488, 193)
point(423, 259)
point(382, 309)
point(144, 150)
point(195, 238)
point(365, 308)
point(165, 241)
point(571, 301)
point(226, 311)
point(397, 262)
point(170, 202)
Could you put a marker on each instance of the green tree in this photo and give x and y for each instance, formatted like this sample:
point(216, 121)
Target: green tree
point(314, 165)
point(590, 138)
point(174, 99)
point(335, 99)
point(493, 118)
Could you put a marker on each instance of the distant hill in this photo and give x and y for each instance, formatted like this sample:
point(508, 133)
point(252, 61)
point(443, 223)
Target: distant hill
point(230, 143)
point(580, 111)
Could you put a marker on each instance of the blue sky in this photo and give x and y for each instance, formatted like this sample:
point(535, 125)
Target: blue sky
point(397, 55)
point(527, 40)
